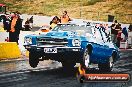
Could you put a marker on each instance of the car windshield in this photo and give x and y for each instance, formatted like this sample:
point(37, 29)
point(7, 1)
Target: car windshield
point(74, 28)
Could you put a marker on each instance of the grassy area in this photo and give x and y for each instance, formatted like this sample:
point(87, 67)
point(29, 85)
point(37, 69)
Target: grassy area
point(86, 9)
point(92, 2)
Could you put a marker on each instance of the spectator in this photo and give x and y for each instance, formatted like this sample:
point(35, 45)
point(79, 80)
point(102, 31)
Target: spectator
point(130, 27)
point(119, 31)
point(15, 27)
point(31, 22)
point(27, 25)
point(114, 32)
point(124, 31)
point(65, 18)
point(6, 22)
point(54, 22)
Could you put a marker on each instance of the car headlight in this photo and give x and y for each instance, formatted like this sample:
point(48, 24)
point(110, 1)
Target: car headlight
point(76, 42)
point(28, 40)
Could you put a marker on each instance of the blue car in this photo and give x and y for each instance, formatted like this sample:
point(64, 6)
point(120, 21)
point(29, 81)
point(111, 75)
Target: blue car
point(71, 44)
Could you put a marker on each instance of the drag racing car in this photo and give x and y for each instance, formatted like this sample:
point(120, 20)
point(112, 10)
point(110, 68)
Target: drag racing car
point(71, 44)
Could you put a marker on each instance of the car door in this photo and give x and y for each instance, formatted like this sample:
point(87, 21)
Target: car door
point(98, 45)
point(106, 44)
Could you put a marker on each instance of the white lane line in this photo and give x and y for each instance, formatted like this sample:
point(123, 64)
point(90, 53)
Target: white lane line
point(14, 79)
point(27, 71)
point(126, 64)
point(9, 74)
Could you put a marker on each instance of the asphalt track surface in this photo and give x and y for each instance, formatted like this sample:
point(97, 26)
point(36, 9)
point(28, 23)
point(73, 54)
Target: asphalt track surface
point(18, 73)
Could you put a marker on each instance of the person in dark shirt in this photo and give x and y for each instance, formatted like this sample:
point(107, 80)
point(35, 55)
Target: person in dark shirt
point(125, 32)
point(116, 33)
point(54, 22)
point(119, 31)
point(27, 25)
point(130, 27)
point(6, 22)
point(15, 27)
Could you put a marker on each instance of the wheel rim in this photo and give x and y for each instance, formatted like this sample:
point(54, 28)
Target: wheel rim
point(111, 61)
point(86, 58)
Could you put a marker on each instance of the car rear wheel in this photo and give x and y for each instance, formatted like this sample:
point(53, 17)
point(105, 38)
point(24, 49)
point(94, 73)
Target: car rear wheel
point(67, 65)
point(33, 59)
point(86, 58)
point(107, 66)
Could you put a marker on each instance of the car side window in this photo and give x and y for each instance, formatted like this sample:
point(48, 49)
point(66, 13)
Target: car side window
point(104, 36)
point(98, 36)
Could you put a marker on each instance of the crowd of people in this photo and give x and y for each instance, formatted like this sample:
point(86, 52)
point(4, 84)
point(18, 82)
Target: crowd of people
point(63, 19)
point(117, 31)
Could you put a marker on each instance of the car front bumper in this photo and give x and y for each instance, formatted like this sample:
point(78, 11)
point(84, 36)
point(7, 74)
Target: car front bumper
point(58, 49)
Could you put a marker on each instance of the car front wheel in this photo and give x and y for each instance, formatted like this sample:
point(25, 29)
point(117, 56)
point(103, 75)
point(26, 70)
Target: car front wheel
point(106, 66)
point(67, 65)
point(86, 58)
point(33, 59)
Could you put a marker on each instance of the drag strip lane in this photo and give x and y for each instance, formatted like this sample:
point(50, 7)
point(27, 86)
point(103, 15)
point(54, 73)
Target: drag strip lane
point(55, 76)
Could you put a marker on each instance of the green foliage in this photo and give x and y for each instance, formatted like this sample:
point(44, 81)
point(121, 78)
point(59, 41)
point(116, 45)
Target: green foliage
point(47, 8)
point(1, 1)
point(89, 2)
point(92, 2)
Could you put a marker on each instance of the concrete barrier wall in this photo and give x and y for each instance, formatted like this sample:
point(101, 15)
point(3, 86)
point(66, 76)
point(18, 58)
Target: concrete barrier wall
point(9, 50)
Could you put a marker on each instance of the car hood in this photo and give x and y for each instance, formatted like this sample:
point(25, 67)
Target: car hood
point(60, 34)
point(32, 35)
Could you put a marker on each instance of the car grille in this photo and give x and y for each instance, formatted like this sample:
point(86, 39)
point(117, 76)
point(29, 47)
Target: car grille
point(52, 41)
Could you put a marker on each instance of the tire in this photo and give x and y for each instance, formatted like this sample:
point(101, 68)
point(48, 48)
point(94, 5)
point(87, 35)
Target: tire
point(33, 59)
point(80, 78)
point(107, 67)
point(86, 58)
point(68, 65)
